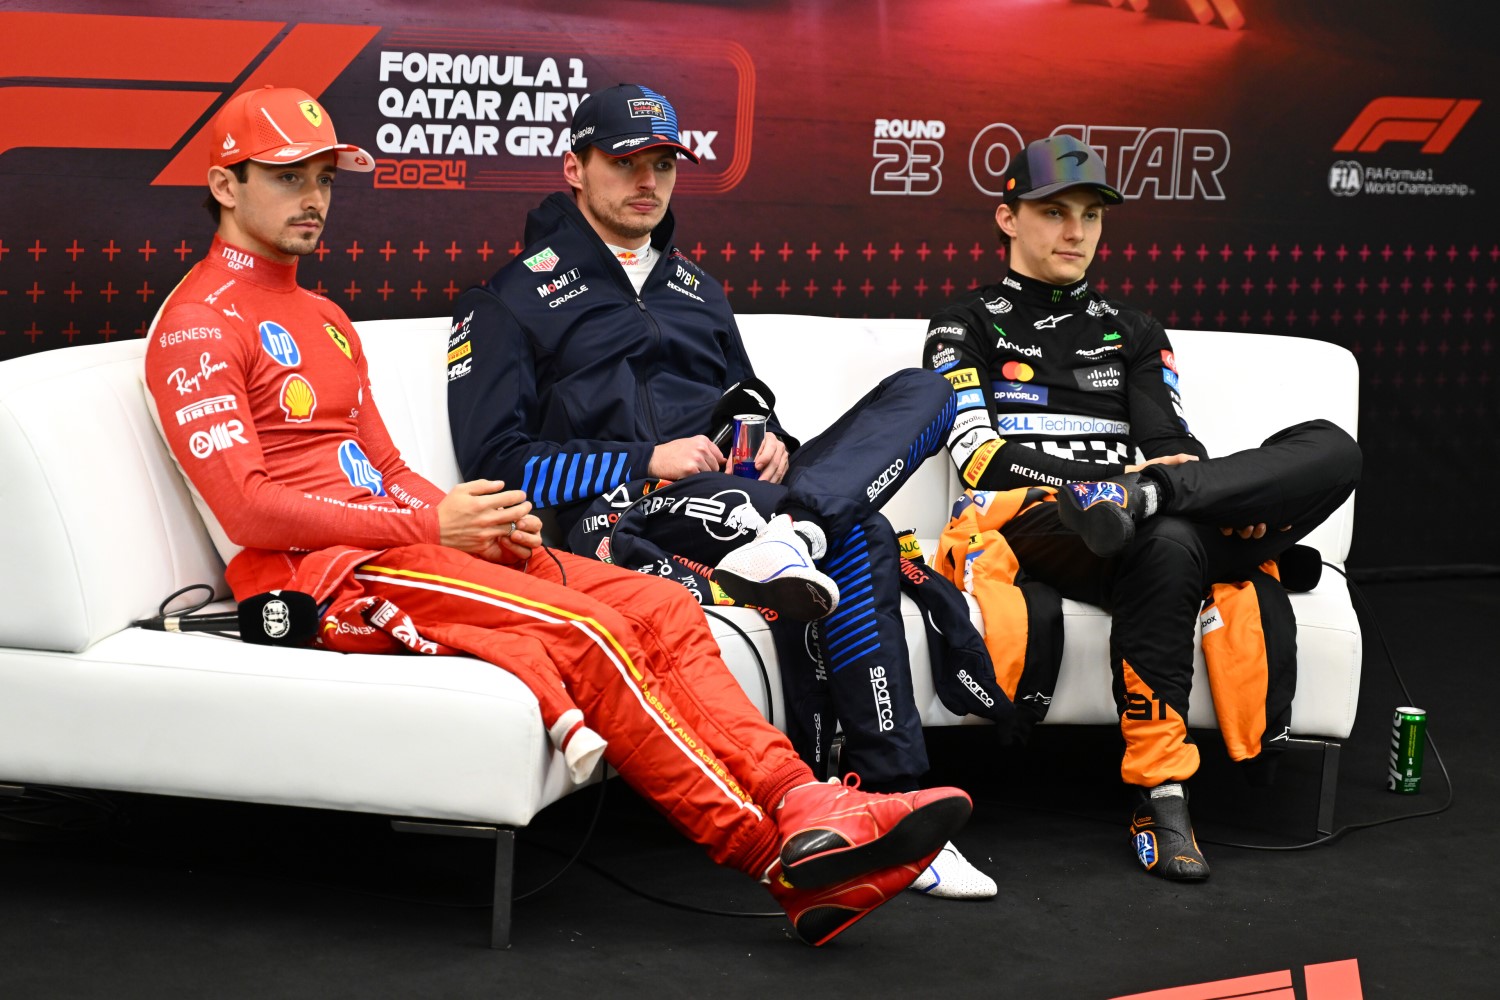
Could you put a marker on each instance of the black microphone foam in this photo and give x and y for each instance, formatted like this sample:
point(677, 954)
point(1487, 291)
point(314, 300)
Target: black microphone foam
point(278, 618)
point(748, 396)
point(1301, 568)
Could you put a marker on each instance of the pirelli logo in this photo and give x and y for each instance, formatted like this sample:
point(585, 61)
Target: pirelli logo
point(981, 461)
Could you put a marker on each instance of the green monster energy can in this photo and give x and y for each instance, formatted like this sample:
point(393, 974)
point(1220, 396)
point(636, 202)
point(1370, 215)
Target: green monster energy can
point(1408, 734)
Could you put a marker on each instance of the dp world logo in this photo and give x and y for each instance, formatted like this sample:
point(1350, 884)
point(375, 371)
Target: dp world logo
point(1345, 178)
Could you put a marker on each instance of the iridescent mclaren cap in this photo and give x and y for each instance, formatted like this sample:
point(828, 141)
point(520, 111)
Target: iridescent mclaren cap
point(1054, 164)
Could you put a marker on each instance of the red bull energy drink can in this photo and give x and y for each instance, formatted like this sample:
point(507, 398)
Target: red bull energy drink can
point(749, 435)
point(1408, 734)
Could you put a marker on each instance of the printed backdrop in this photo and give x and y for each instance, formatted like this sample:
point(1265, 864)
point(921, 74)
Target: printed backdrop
point(1313, 170)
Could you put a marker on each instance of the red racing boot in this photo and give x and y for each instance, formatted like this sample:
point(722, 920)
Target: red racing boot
point(820, 915)
point(832, 832)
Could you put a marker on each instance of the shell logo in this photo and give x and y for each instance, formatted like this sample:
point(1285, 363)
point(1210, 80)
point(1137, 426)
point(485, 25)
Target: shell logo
point(298, 401)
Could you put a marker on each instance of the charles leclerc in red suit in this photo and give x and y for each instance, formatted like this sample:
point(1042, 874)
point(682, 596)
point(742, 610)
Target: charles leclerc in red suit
point(261, 391)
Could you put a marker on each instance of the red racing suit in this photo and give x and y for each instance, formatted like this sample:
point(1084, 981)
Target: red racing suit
point(262, 393)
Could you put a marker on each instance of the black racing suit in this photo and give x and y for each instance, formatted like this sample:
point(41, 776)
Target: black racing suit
point(562, 380)
point(1057, 385)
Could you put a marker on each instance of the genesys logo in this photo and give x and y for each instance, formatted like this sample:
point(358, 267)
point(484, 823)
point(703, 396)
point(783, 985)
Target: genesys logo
point(447, 112)
point(1396, 124)
point(1162, 163)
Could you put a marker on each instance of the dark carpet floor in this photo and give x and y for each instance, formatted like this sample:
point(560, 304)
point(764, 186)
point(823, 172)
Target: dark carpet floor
point(138, 896)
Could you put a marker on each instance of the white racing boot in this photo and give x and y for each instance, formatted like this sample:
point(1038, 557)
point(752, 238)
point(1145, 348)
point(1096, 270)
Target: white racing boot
point(951, 876)
point(775, 570)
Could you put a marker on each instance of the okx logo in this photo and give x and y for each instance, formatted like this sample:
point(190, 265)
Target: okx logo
point(179, 72)
point(1431, 121)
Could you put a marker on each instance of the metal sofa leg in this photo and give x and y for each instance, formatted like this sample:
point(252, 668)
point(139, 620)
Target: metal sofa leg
point(505, 853)
point(1328, 787)
point(505, 857)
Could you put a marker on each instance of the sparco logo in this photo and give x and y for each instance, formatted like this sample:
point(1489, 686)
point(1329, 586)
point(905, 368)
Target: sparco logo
point(885, 479)
point(885, 716)
point(973, 686)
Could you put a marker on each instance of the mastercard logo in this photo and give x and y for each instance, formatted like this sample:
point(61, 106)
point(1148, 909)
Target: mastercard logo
point(1017, 371)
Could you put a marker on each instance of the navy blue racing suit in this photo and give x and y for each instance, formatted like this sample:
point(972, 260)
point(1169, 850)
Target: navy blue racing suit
point(562, 380)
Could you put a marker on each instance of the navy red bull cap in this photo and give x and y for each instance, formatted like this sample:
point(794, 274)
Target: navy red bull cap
point(1054, 164)
point(625, 119)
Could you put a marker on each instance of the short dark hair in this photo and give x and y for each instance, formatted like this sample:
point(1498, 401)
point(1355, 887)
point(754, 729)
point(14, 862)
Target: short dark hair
point(240, 169)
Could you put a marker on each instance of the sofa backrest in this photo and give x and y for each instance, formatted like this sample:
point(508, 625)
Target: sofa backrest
point(1238, 389)
point(99, 525)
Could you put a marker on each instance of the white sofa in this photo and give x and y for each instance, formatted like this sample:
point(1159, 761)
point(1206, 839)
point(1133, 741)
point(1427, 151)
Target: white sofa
point(99, 527)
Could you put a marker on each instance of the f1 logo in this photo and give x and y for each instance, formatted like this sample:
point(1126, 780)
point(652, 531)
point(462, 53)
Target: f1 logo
point(1432, 121)
point(155, 53)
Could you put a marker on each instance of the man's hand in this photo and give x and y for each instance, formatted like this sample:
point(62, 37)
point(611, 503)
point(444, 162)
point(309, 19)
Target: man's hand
point(771, 461)
point(681, 458)
point(1177, 459)
point(485, 519)
point(1251, 530)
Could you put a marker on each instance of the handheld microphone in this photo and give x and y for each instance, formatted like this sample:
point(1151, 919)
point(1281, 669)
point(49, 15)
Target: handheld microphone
point(275, 618)
point(748, 396)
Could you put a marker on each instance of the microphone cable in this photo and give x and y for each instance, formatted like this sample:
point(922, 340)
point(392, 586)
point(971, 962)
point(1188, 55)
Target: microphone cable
point(161, 609)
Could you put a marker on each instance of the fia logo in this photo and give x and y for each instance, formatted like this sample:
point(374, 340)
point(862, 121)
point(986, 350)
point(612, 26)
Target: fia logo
point(1345, 178)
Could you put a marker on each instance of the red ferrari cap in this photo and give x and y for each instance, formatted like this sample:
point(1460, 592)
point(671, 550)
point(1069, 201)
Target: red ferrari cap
point(278, 125)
